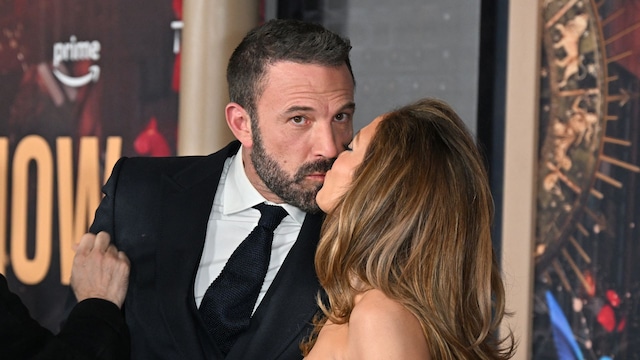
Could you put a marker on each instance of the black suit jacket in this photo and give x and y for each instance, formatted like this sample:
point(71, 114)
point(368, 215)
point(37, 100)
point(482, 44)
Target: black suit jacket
point(156, 210)
point(94, 330)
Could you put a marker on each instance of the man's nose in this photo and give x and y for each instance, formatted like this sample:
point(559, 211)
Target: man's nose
point(325, 143)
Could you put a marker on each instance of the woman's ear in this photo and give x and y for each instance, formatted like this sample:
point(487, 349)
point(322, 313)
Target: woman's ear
point(239, 122)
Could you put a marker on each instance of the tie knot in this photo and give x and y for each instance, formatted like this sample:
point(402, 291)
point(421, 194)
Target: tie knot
point(270, 216)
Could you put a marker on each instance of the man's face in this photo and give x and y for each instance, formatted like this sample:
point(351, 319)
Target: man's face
point(304, 120)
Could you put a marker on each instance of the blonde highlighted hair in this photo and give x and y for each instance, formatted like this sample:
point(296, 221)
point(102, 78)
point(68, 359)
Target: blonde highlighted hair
point(416, 224)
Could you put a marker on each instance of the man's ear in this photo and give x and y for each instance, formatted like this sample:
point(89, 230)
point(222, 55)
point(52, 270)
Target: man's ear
point(239, 122)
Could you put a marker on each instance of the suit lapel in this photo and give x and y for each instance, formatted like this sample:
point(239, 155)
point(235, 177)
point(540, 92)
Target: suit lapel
point(187, 201)
point(286, 311)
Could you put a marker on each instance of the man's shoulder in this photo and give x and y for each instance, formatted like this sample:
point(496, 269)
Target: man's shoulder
point(177, 164)
point(160, 162)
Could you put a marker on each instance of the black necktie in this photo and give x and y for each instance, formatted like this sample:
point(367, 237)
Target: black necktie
point(229, 301)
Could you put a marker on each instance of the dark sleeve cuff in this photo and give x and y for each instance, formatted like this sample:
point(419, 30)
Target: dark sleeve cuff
point(97, 328)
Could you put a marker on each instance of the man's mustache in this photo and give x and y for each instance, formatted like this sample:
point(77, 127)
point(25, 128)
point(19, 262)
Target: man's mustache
point(321, 166)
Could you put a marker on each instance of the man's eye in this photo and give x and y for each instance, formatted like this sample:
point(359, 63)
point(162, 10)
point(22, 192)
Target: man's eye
point(342, 117)
point(298, 119)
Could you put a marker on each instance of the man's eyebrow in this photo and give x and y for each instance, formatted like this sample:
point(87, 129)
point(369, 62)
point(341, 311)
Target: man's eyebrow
point(348, 106)
point(297, 108)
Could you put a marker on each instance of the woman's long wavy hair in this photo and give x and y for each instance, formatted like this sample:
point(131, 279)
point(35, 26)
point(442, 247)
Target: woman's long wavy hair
point(416, 224)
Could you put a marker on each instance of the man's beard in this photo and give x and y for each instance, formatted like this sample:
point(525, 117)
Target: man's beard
point(290, 189)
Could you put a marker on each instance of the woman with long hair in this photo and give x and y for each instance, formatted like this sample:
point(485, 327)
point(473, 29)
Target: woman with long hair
point(405, 255)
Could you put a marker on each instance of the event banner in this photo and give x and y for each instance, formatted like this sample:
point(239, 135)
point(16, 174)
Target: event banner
point(82, 83)
point(587, 271)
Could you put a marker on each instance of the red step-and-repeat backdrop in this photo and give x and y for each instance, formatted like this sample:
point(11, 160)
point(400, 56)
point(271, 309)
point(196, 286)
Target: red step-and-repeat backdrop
point(82, 83)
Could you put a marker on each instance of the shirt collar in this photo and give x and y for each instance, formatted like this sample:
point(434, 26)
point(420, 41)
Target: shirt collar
point(240, 194)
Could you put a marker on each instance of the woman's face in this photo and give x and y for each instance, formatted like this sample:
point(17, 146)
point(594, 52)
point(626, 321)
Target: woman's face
point(339, 178)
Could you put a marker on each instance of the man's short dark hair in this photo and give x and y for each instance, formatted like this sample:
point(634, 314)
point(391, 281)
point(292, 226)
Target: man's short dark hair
point(280, 40)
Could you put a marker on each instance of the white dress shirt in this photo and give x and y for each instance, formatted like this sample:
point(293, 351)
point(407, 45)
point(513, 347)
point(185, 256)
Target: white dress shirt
point(232, 219)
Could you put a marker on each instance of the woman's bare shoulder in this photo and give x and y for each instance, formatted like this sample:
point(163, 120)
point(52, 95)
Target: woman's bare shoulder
point(380, 327)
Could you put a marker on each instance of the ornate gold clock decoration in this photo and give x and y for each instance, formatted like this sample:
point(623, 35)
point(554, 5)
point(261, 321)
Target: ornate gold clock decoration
point(588, 201)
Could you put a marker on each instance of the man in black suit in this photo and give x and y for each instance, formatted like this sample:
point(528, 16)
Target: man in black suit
point(95, 328)
point(179, 219)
